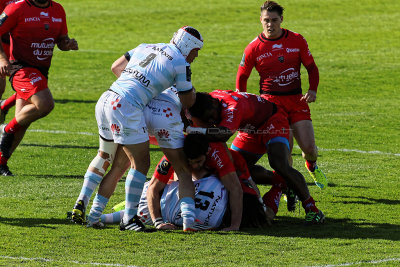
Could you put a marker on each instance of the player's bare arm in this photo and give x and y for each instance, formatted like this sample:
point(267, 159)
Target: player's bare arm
point(65, 43)
point(119, 65)
point(232, 185)
point(187, 98)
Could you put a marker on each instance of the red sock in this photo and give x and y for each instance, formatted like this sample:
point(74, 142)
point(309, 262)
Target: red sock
point(272, 198)
point(278, 181)
point(309, 205)
point(12, 127)
point(311, 164)
point(3, 160)
point(9, 102)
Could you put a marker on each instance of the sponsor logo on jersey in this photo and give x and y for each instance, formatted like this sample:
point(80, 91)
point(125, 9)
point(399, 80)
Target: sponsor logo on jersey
point(163, 133)
point(230, 114)
point(292, 50)
point(162, 52)
point(3, 18)
point(287, 77)
point(168, 112)
point(277, 47)
point(115, 129)
point(34, 79)
point(115, 104)
point(188, 74)
point(212, 210)
point(265, 55)
point(138, 76)
point(281, 59)
point(218, 161)
point(43, 50)
point(32, 19)
point(53, 19)
point(44, 14)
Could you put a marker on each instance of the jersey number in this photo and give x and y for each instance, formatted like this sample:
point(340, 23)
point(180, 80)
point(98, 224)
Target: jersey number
point(147, 60)
point(201, 203)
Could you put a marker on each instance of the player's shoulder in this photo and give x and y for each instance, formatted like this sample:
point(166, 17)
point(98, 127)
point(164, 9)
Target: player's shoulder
point(293, 35)
point(14, 5)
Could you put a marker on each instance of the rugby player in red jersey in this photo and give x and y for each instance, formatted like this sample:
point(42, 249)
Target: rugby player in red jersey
point(5, 104)
point(277, 55)
point(262, 127)
point(35, 27)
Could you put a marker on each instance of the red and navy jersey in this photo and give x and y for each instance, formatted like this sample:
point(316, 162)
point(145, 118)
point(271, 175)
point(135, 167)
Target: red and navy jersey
point(243, 111)
point(34, 31)
point(277, 61)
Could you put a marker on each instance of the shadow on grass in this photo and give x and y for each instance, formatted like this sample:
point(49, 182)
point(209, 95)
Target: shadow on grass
point(366, 200)
point(50, 223)
point(282, 227)
point(67, 101)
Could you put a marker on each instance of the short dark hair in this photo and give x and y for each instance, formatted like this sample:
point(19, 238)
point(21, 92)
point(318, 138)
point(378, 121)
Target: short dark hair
point(272, 6)
point(203, 101)
point(195, 145)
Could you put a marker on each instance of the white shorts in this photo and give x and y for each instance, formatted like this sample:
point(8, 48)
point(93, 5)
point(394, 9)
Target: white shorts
point(120, 121)
point(164, 122)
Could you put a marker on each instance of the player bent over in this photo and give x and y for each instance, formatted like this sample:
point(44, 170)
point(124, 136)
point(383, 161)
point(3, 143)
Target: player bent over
point(262, 128)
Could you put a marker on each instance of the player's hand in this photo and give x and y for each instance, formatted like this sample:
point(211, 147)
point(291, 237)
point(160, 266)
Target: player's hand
point(4, 67)
point(310, 96)
point(167, 226)
point(72, 44)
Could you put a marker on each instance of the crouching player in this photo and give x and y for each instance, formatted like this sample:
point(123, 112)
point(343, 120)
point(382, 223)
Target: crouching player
point(158, 205)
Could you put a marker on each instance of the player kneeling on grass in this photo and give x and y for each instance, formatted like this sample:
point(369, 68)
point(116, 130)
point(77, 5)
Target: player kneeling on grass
point(158, 205)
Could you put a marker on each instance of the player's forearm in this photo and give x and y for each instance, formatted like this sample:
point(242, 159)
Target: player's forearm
point(313, 76)
point(232, 185)
point(153, 202)
point(241, 81)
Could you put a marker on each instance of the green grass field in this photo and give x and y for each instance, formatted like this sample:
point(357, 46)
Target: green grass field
point(356, 119)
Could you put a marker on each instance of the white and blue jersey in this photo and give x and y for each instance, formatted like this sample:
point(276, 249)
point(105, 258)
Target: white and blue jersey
point(151, 69)
point(211, 200)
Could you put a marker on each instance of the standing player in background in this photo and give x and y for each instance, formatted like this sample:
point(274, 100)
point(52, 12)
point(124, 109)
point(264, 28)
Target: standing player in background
point(144, 73)
point(6, 104)
point(277, 55)
point(35, 27)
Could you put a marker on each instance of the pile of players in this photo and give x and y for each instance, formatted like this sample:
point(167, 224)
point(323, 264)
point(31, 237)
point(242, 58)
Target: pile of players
point(200, 183)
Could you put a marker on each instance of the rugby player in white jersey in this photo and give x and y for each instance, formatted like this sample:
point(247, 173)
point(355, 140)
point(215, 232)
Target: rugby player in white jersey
point(143, 73)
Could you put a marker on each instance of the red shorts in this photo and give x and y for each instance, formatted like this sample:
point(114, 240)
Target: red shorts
point(296, 109)
point(275, 129)
point(28, 81)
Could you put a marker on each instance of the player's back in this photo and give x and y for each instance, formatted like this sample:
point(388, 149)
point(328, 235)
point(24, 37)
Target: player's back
point(243, 111)
point(151, 69)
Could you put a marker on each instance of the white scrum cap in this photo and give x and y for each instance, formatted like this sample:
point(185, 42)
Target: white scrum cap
point(186, 39)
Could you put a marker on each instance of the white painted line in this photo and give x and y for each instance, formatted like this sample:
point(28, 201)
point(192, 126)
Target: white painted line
point(75, 262)
point(61, 132)
point(376, 152)
point(360, 262)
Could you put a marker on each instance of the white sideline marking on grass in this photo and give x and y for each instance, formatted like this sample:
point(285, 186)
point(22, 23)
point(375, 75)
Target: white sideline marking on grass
point(360, 262)
point(321, 149)
point(76, 262)
point(60, 132)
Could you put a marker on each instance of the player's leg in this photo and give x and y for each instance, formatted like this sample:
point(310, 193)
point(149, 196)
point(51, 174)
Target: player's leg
point(5, 105)
point(93, 176)
point(107, 186)
point(277, 156)
point(186, 187)
point(139, 157)
point(304, 134)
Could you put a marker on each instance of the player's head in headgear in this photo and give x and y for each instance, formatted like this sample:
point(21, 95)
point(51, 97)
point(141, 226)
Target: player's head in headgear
point(206, 108)
point(196, 147)
point(188, 39)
